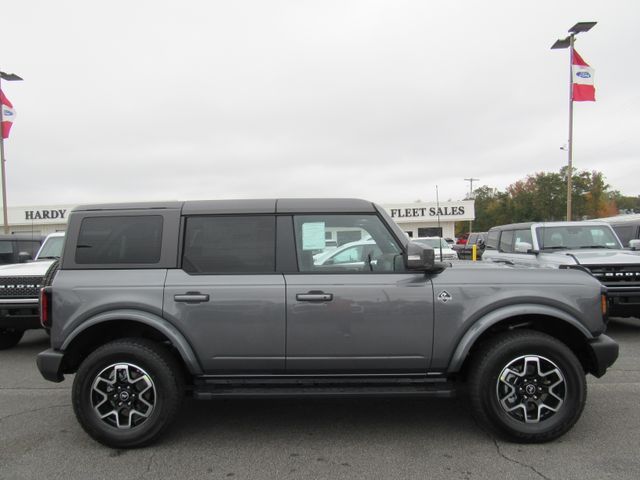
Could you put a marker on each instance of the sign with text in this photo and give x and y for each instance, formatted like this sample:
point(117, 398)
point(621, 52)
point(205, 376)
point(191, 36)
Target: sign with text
point(38, 215)
point(429, 212)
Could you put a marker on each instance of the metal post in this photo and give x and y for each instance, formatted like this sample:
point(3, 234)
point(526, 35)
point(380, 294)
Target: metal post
point(4, 179)
point(570, 143)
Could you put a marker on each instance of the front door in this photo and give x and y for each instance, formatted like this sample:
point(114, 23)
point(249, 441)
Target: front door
point(353, 308)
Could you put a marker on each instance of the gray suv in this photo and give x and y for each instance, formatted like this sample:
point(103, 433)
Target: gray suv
point(231, 299)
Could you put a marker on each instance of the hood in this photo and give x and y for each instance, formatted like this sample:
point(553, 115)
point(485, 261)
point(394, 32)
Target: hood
point(32, 269)
point(596, 257)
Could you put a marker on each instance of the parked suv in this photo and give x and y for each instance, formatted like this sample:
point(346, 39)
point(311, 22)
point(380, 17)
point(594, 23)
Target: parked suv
point(19, 288)
point(627, 227)
point(18, 248)
point(442, 250)
point(224, 299)
point(591, 246)
point(465, 251)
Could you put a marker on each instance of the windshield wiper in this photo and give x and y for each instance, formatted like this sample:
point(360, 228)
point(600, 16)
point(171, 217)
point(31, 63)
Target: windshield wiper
point(52, 257)
point(556, 248)
point(593, 246)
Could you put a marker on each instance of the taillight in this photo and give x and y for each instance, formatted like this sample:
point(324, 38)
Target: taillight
point(604, 304)
point(45, 307)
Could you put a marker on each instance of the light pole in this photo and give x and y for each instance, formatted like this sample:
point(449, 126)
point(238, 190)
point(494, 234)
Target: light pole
point(471, 180)
point(9, 77)
point(560, 44)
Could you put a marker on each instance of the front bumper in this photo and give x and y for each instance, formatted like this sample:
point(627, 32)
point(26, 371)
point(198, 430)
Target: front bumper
point(623, 301)
point(22, 315)
point(50, 365)
point(604, 352)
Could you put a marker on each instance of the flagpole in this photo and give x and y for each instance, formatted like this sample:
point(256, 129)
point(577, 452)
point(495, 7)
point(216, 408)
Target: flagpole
point(4, 176)
point(570, 146)
point(562, 44)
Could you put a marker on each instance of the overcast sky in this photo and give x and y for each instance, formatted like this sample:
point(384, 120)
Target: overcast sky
point(149, 100)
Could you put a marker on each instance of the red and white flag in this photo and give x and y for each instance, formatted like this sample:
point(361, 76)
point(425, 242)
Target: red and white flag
point(582, 80)
point(8, 115)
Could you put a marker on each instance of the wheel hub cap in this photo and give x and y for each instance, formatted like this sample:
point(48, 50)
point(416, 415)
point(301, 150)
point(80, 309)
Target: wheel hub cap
point(531, 389)
point(123, 395)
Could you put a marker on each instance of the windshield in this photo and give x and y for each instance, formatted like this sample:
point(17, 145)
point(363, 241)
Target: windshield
point(433, 242)
point(576, 236)
point(52, 248)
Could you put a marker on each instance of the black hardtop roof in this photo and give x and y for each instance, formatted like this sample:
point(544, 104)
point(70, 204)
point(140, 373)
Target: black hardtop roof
point(285, 205)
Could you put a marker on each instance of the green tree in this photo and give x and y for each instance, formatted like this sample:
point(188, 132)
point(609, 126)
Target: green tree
point(543, 197)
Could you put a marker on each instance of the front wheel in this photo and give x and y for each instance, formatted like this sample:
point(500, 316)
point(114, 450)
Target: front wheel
point(9, 338)
point(527, 386)
point(127, 392)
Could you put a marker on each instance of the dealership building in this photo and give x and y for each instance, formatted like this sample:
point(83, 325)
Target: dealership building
point(418, 219)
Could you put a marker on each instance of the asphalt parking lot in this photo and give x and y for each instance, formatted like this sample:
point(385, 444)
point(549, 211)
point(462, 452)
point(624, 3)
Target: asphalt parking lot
point(333, 439)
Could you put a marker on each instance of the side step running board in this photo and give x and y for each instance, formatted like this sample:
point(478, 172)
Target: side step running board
point(207, 392)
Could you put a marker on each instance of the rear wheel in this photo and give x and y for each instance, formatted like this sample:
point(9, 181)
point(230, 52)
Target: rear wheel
point(127, 392)
point(527, 386)
point(9, 338)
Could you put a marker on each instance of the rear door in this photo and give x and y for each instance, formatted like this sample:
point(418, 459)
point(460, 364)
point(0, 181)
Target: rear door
point(364, 316)
point(226, 298)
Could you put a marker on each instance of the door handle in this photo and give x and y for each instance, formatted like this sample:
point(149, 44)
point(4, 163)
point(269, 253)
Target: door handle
point(191, 297)
point(314, 297)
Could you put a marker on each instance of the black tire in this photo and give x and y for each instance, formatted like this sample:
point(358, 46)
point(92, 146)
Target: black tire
point(528, 422)
point(9, 338)
point(167, 386)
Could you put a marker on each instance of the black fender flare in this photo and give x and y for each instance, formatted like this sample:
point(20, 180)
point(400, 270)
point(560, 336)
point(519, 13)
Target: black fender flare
point(495, 316)
point(154, 321)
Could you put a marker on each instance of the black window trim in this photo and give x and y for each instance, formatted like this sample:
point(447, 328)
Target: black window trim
point(170, 220)
point(183, 233)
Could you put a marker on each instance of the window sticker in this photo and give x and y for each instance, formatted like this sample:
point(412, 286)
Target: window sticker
point(313, 237)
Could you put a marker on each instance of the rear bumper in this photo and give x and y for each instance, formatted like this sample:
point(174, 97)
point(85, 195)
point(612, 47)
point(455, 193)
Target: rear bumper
point(50, 365)
point(604, 352)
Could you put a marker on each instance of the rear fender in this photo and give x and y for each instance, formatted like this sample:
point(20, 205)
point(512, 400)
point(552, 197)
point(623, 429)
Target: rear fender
point(154, 321)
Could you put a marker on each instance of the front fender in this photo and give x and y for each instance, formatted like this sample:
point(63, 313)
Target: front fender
point(492, 318)
point(154, 321)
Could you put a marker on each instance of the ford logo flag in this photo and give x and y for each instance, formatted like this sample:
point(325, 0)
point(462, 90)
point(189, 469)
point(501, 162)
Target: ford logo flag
point(583, 74)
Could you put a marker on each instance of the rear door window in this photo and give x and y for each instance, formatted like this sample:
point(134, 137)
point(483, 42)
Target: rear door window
point(506, 241)
point(229, 244)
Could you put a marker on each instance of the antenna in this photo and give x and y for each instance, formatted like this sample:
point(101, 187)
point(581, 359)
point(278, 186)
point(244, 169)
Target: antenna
point(439, 227)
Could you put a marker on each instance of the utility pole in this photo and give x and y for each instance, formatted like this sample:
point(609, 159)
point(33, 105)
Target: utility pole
point(471, 180)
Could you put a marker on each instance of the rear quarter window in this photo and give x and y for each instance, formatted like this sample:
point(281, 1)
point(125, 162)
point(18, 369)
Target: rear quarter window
point(110, 240)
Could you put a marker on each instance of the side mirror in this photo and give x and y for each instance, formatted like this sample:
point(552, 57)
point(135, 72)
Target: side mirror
point(523, 247)
point(419, 257)
point(634, 244)
point(24, 257)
